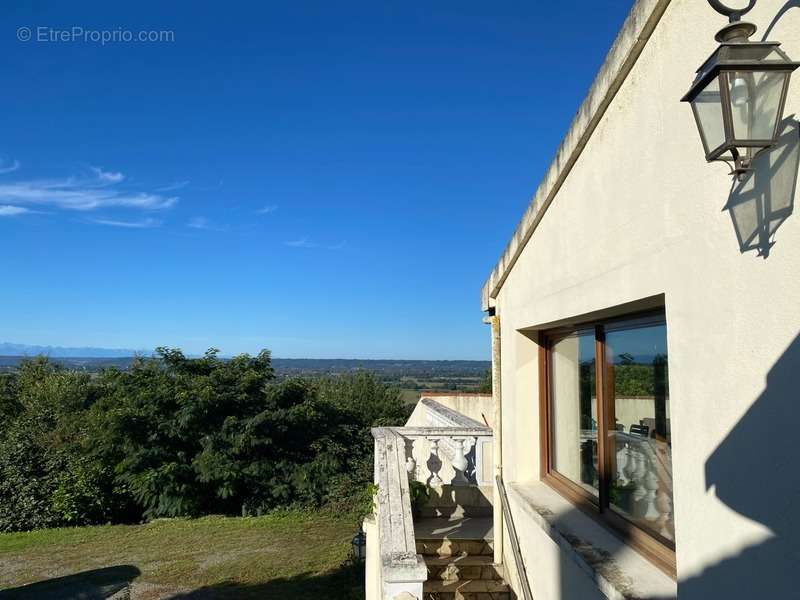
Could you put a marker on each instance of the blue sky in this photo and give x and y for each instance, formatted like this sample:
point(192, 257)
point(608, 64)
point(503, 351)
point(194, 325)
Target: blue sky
point(320, 179)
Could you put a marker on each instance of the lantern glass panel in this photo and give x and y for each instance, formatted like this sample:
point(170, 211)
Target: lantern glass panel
point(707, 107)
point(755, 103)
point(759, 52)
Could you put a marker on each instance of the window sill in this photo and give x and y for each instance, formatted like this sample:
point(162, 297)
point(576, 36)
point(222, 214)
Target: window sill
point(619, 571)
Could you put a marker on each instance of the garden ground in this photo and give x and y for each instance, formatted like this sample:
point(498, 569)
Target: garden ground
point(289, 554)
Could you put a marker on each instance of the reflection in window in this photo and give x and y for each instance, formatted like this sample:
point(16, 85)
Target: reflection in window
point(638, 393)
point(574, 410)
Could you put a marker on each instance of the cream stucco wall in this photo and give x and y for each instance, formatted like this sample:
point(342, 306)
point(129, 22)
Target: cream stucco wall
point(640, 215)
point(477, 407)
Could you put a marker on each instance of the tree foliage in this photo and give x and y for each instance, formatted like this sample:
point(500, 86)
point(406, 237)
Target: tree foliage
point(46, 479)
point(179, 436)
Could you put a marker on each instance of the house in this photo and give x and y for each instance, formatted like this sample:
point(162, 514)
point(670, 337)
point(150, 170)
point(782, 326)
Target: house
point(645, 325)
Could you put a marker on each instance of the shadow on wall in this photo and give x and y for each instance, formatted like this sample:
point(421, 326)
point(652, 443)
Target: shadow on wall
point(764, 199)
point(755, 472)
point(97, 584)
point(790, 4)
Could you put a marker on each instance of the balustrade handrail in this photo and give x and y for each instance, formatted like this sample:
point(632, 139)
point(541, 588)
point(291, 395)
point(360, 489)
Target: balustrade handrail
point(400, 563)
point(522, 574)
point(442, 431)
point(447, 417)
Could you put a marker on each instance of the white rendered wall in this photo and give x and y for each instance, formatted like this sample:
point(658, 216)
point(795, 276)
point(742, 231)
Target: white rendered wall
point(642, 214)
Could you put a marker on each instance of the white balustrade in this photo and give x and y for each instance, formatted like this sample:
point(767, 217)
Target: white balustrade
point(640, 466)
point(455, 451)
point(448, 455)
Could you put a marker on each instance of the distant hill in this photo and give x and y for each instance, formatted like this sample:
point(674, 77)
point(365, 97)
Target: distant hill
point(10, 349)
point(411, 376)
point(82, 359)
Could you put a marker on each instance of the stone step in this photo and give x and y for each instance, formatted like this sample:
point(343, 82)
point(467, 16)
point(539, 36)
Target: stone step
point(453, 548)
point(454, 568)
point(466, 590)
point(453, 537)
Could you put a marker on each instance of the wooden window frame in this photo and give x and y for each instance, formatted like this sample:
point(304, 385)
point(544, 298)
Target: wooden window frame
point(659, 550)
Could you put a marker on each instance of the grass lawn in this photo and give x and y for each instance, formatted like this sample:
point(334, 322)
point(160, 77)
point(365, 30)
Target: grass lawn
point(290, 554)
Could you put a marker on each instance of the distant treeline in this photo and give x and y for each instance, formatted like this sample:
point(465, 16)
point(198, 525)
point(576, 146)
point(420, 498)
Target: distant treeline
point(421, 369)
point(177, 436)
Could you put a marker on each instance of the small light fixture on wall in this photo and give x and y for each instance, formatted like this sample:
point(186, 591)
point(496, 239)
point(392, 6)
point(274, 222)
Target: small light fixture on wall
point(739, 93)
point(359, 544)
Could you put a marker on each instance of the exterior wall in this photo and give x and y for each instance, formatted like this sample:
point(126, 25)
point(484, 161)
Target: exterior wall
point(519, 360)
point(372, 565)
point(640, 215)
point(478, 407)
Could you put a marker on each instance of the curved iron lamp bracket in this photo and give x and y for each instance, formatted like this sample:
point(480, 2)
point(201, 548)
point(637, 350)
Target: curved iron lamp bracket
point(734, 14)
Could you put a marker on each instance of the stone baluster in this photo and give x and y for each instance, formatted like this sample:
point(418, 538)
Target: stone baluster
point(651, 513)
point(434, 463)
point(459, 462)
point(411, 462)
point(629, 470)
point(664, 506)
point(664, 524)
point(622, 465)
point(640, 491)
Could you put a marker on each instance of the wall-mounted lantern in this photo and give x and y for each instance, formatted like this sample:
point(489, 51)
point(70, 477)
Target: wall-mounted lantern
point(359, 544)
point(739, 93)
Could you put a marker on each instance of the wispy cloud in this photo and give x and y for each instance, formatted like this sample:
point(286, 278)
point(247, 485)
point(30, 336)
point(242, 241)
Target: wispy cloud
point(99, 191)
point(206, 188)
point(306, 243)
point(267, 209)
point(107, 176)
point(299, 243)
point(9, 211)
point(137, 224)
point(178, 185)
point(204, 223)
point(198, 223)
point(9, 168)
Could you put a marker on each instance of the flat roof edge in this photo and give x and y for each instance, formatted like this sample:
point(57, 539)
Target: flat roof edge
point(636, 31)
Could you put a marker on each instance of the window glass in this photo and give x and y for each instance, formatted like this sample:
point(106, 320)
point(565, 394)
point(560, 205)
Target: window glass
point(637, 390)
point(574, 410)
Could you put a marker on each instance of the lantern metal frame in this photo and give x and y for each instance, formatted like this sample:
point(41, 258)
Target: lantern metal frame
point(734, 55)
point(359, 546)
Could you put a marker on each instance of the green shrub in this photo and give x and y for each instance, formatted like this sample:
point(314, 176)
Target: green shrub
point(177, 436)
point(157, 426)
point(46, 479)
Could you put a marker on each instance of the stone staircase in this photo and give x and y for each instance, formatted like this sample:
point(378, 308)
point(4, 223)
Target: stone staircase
point(458, 553)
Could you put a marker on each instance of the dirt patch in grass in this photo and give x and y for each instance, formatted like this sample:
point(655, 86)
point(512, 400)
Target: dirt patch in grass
point(292, 553)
